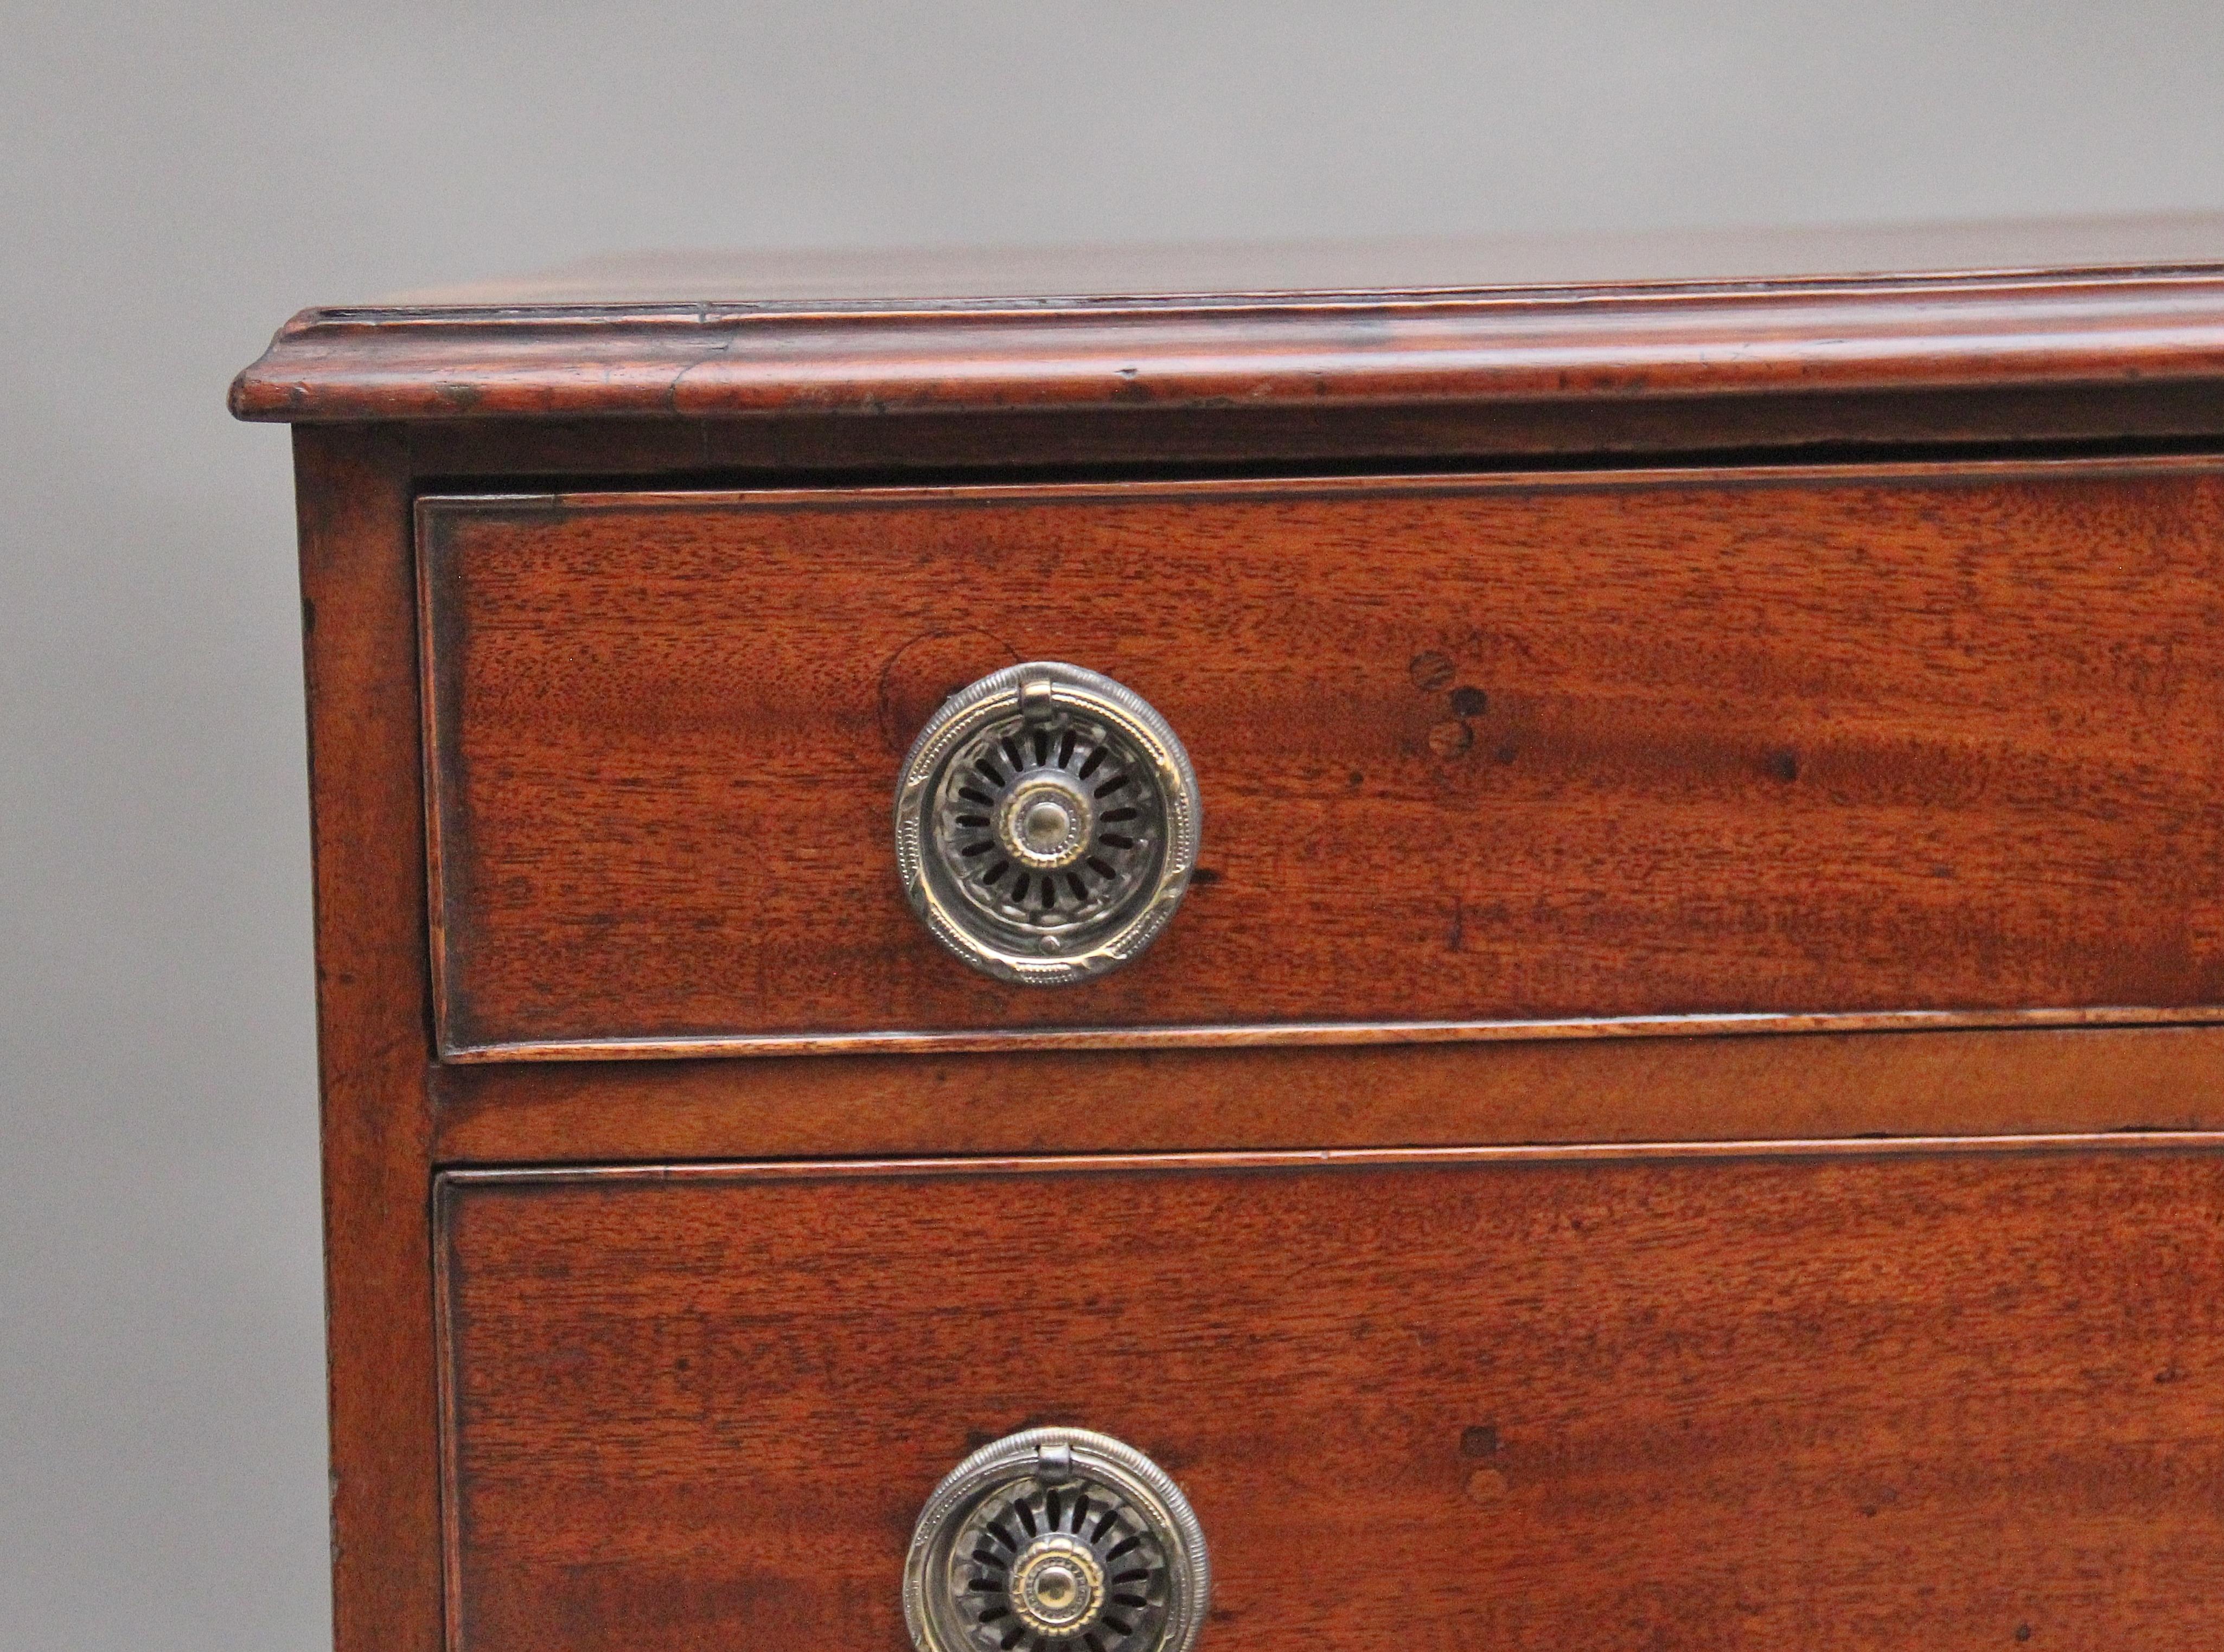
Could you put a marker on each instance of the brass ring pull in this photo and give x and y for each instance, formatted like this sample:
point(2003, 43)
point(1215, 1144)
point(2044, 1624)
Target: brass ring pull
point(1053, 1540)
point(1047, 824)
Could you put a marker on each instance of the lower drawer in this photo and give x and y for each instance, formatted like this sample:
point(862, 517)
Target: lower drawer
point(1461, 1399)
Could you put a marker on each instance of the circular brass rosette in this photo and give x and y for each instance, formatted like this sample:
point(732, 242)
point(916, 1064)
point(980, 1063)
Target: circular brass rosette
point(1047, 824)
point(1057, 1540)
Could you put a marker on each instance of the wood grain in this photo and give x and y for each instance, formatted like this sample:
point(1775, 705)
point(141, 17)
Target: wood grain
point(1951, 1400)
point(1354, 350)
point(1843, 1085)
point(373, 1037)
point(1158, 443)
point(1678, 1362)
point(1472, 750)
point(1307, 1034)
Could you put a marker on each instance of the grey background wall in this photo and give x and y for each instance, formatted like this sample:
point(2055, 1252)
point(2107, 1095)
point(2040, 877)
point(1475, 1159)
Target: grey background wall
point(179, 178)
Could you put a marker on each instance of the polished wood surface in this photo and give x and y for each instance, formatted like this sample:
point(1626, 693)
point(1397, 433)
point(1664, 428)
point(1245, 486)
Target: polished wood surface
point(1472, 751)
point(1614, 1090)
point(1418, 349)
point(1581, 319)
point(1682, 1360)
point(366, 801)
point(1221, 440)
point(1951, 1400)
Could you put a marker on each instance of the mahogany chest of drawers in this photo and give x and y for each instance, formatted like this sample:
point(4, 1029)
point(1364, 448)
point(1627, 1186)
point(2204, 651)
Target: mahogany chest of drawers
point(1506, 955)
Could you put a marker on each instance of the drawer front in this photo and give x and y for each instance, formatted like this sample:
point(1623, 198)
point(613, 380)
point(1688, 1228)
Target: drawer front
point(1478, 754)
point(1843, 1401)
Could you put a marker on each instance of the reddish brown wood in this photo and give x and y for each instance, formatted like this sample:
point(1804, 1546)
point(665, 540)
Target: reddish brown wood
point(373, 1037)
point(1289, 1034)
point(1397, 351)
point(1281, 326)
point(1585, 1394)
point(1155, 444)
point(1303, 1034)
point(1601, 1090)
point(1472, 751)
point(1957, 1401)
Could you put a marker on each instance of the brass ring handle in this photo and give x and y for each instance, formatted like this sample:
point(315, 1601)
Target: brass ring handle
point(1057, 1539)
point(1047, 823)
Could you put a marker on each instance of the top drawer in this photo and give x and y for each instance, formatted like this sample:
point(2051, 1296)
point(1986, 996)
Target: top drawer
point(1477, 755)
